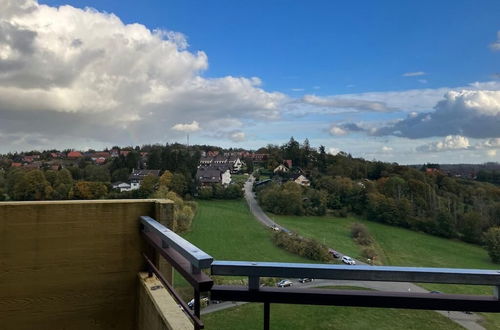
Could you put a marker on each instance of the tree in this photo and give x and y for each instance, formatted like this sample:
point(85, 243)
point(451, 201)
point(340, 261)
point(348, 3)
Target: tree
point(120, 174)
point(32, 186)
point(148, 185)
point(492, 241)
point(178, 184)
point(166, 179)
point(88, 190)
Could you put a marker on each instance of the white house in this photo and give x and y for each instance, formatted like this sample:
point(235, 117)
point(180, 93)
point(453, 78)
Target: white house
point(137, 176)
point(281, 168)
point(300, 179)
point(123, 186)
point(236, 163)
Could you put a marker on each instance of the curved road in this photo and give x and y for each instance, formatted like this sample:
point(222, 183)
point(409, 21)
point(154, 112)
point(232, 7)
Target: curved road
point(468, 321)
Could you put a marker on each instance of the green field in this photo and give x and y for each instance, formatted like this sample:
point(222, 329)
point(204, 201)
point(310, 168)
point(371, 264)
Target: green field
point(400, 247)
point(290, 317)
point(227, 230)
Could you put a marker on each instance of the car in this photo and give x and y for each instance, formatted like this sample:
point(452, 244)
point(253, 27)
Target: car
point(334, 253)
point(284, 283)
point(348, 260)
point(275, 228)
point(305, 280)
point(204, 301)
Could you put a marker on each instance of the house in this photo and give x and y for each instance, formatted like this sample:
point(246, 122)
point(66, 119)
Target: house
point(137, 176)
point(124, 152)
point(74, 154)
point(235, 162)
point(100, 160)
point(122, 186)
point(16, 164)
point(281, 169)
point(206, 160)
point(212, 153)
point(220, 159)
point(300, 179)
point(208, 175)
point(288, 163)
point(115, 152)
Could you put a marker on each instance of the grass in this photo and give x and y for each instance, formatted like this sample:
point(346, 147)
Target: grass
point(290, 317)
point(239, 178)
point(400, 247)
point(227, 231)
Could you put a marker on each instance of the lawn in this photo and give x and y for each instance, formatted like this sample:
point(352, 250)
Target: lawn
point(400, 247)
point(290, 317)
point(227, 231)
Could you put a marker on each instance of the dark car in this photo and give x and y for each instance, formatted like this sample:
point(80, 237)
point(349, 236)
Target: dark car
point(305, 280)
point(334, 253)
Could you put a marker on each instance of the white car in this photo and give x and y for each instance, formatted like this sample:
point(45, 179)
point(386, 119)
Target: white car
point(284, 283)
point(348, 260)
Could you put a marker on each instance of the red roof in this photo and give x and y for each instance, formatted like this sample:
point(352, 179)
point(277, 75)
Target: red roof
point(74, 154)
point(16, 164)
point(124, 152)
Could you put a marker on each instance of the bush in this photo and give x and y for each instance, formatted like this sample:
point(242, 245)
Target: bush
point(305, 247)
point(492, 240)
point(369, 252)
point(360, 234)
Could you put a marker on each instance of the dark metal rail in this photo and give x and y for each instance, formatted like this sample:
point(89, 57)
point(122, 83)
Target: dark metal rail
point(174, 293)
point(186, 258)
point(189, 260)
point(357, 273)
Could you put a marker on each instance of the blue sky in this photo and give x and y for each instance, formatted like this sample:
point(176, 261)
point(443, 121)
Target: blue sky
point(392, 80)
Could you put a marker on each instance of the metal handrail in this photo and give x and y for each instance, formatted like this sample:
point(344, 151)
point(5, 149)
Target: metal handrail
point(359, 273)
point(198, 258)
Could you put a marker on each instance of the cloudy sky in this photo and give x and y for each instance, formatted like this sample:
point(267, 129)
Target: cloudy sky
point(406, 82)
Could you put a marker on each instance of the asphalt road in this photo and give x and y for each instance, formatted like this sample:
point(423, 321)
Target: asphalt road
point(468, 321)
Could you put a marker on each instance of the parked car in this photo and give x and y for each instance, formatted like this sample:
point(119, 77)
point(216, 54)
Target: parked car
point(284, 283)
point(334, 253)
point(305, 280)
point(348, 260)
point(204, 301)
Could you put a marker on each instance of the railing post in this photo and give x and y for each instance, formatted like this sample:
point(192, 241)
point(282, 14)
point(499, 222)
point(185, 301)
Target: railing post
point(496, 292)
point(197, 306)
point(253, 282)
point(267, 312)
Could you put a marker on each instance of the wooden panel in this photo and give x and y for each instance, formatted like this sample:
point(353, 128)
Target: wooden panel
point(70, 265)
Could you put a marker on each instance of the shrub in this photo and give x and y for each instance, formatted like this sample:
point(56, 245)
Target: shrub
point(360, 234)
point(305, 247)
point(492, 240)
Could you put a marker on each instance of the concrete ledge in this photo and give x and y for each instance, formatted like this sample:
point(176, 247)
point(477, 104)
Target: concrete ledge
point(157, 310)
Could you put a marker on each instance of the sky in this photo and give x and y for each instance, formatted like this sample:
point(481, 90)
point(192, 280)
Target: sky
point(399, 81)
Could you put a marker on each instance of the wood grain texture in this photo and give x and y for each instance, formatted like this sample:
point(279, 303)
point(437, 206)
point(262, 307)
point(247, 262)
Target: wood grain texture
point(70, 265)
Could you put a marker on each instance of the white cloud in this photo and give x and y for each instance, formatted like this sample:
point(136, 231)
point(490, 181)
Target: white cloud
point(472, 113)
point(496, 45)
point(237, 136)
point(414, 74)
point(333, 151)
point(187, 128)
point(491, 153)
point(451, 142)
point(338, 131)
point(386, 149)
point(423, 81)
point(81, 74)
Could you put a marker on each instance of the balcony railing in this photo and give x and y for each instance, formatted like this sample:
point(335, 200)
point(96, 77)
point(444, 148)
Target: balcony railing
point(169, 244)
